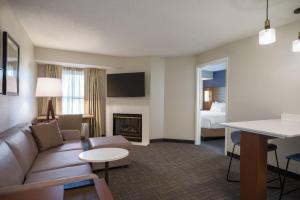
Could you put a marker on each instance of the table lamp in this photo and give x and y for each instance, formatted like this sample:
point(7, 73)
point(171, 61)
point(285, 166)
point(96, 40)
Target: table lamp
point(49, 87)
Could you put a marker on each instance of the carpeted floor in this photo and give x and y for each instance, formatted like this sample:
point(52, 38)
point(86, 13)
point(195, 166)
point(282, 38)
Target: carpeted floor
point(217, 145)
point(171, 171)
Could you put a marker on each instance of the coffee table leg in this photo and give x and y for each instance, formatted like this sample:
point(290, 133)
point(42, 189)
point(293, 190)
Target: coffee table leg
point(106, 172)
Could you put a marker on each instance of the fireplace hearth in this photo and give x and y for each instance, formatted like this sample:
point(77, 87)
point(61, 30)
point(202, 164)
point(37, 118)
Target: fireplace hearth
point(128, 125)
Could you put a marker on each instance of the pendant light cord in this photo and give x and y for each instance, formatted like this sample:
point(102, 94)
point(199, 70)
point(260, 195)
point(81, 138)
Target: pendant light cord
point(267, 10)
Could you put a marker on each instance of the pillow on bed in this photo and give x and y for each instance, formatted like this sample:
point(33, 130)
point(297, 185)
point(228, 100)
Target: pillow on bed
point(222, 107)
point(218, 107)
point(215, 107)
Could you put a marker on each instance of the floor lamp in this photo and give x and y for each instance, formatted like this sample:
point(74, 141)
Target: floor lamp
point(49, 87)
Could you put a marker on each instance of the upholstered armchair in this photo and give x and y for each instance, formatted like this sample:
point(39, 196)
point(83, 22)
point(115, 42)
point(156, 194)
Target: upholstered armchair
point(70, 126)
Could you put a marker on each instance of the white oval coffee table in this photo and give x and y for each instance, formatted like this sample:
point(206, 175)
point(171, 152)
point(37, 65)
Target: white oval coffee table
point(105, 155)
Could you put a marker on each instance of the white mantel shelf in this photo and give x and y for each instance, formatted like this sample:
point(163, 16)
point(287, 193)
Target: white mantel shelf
point(274, 127)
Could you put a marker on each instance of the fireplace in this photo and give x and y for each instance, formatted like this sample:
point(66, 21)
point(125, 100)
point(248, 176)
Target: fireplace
point(128, 125)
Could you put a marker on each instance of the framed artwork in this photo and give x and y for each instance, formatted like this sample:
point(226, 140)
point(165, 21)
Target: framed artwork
point(10, 66)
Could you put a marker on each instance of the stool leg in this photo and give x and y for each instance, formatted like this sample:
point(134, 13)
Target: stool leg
point(284, 177)
point(228, 172)
point(279, 173)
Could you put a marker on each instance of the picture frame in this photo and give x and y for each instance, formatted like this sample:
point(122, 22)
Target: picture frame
point(10, 66)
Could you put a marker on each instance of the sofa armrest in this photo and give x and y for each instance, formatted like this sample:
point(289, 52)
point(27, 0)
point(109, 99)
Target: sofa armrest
point(43, 184)
point(71, 134)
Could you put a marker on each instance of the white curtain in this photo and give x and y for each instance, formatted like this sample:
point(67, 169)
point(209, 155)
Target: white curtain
point(73, 90)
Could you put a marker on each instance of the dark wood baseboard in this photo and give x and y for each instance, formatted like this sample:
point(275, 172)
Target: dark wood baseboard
point(172, 140)
point(271, 168)
point(212, 138)
point(156, 140)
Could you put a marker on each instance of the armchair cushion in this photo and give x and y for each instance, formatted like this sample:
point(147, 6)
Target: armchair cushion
point(70, 134)
point(70, 122)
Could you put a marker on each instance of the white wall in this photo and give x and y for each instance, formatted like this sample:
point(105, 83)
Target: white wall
point(263, 81)
point(157, 98)
point(180, 83)
point(22, 108)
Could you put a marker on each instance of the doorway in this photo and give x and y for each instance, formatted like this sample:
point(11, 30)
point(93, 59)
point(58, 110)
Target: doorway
point(211, 105)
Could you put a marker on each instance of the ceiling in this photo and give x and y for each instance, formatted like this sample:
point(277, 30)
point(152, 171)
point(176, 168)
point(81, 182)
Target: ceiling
point(146, 27)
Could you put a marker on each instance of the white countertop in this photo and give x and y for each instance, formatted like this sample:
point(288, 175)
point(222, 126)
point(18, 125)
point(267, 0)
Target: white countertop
point(273, 127)
point(103, 155)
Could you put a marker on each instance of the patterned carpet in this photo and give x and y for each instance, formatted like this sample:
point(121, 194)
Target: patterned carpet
point(171, 171)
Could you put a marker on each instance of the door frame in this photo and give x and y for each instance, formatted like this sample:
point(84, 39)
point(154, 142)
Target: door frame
point(199, 98)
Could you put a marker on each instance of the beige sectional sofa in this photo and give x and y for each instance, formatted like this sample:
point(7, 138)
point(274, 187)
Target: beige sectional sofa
point(22, 163)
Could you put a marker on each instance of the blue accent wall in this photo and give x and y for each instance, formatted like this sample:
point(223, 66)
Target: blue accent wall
point(219, 80)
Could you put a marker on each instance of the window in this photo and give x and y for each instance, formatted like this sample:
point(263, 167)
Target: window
point(73, 91)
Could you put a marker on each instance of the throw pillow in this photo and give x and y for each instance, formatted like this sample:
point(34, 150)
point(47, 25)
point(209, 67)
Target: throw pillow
point(47, 135)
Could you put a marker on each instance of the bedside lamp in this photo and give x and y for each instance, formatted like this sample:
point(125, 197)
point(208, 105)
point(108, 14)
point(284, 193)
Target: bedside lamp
point(49, 87)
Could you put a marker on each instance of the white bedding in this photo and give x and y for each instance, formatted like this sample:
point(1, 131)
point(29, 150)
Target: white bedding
point(212, 120)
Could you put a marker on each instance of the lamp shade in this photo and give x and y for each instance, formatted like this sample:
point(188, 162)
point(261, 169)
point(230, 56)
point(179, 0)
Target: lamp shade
point(48, 87)
point(267, 36)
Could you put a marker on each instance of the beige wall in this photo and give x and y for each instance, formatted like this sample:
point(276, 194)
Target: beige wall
point(180, 82)
point(263, 81)
point(22, 108)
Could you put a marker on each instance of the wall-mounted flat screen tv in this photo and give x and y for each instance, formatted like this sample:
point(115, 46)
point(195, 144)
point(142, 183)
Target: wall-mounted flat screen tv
point(126, 85)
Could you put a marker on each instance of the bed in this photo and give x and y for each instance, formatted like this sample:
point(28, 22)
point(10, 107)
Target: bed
point(210, 124)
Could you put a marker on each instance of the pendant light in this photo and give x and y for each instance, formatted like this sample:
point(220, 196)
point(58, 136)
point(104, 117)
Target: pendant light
point(296, 43)
point(268, 35)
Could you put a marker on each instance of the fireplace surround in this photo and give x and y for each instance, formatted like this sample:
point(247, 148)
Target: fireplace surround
point(128, 125)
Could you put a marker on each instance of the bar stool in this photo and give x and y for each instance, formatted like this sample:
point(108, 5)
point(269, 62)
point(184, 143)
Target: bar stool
point(294, 157)
point(236, 139)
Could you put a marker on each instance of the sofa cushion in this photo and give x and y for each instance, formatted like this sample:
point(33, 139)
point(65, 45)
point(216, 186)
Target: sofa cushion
point(112, 141)
point(29, 135)
point(54, 160)
point(47, 135)
point(11, 173)
point(23, 146)
point(67, 146)
point(65, 172)
point(71, 134)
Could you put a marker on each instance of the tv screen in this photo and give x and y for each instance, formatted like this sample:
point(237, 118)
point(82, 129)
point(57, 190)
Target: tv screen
point(126, 85)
